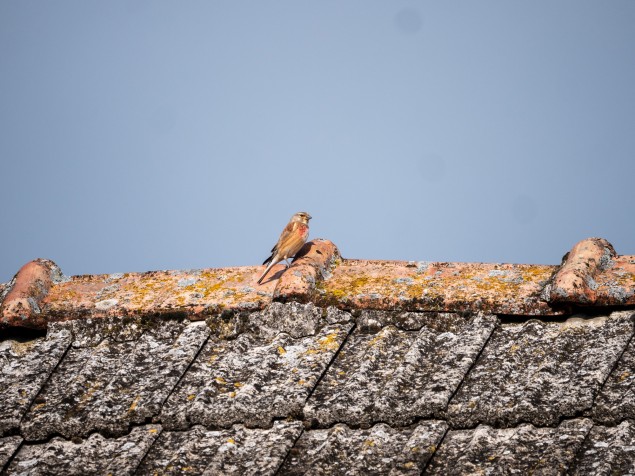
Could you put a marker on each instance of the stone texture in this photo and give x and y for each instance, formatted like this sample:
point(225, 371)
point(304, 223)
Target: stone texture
point(234, 451)
point(95, 455)
point(394, 375)
point(22, 304)
point(378, 450)
point(8, 447)
point(521, 450)
point(540, 372)
point(24, 367)
point(251, 379)
point(113, 384)
point(616, 400)
point(608, 451)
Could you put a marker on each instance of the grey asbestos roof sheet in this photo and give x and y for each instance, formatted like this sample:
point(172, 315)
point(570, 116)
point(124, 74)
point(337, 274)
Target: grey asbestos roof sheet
point(524, 449)
point(25, 367)
point(380, 449)
point(296, 389)
point(384, 373)
point(111, 385)
point(539, 372)
point(616, 400)
point(251, 380)
point(94, 455)
point(234, 451)
point(608, 450)
point(8, 446)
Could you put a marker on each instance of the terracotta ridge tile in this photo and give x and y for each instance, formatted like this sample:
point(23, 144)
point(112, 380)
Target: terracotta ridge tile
point(591, 275)
point(574, 283)
point(300, 281)
point(22, 303)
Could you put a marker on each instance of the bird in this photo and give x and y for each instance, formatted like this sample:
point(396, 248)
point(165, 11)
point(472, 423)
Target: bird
point(291, 240)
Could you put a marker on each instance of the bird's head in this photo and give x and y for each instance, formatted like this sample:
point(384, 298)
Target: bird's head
point(302, 217)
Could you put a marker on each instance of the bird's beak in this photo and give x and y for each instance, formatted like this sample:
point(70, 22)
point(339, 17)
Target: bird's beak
point(309, 217)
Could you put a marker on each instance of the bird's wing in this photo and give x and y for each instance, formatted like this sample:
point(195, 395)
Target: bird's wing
point(284, 237)
point(286, 233)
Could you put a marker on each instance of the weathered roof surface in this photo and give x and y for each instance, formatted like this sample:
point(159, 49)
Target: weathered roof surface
point(387, 373)
point(110, 385)
point(523, 449)
point(380, 449)
point(607, 450)
point(512, 382)
point(591, 275)
point(26, 367)
point(236, 450)
point(425, 286)
point(94, 455)
point(338, 368)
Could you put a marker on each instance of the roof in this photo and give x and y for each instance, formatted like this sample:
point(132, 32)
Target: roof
point(333, 366)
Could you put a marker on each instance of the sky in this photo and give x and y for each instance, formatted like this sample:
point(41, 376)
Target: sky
point(144, 135)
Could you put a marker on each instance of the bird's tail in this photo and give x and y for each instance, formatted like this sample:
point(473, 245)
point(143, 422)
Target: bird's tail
point(271, 263)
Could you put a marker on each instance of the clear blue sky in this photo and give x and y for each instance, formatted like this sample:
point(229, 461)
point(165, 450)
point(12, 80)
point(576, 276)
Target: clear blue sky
point(145, 135)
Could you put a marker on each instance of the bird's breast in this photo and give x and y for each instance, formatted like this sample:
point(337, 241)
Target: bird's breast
point(303, 231)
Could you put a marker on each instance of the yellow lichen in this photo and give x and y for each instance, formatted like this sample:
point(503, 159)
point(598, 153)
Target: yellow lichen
point(21, 348)
point(92, 388)
point(376, 340)
point(134, 404)
point(325, 344)
point(329, 342)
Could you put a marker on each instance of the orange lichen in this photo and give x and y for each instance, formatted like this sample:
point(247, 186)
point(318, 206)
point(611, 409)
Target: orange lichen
point(134, 404)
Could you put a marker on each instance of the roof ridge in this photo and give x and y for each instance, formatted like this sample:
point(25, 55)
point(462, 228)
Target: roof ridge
point(592, 274)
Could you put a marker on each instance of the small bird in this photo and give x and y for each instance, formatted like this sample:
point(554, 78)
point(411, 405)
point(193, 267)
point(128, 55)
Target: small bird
point(291, 240)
